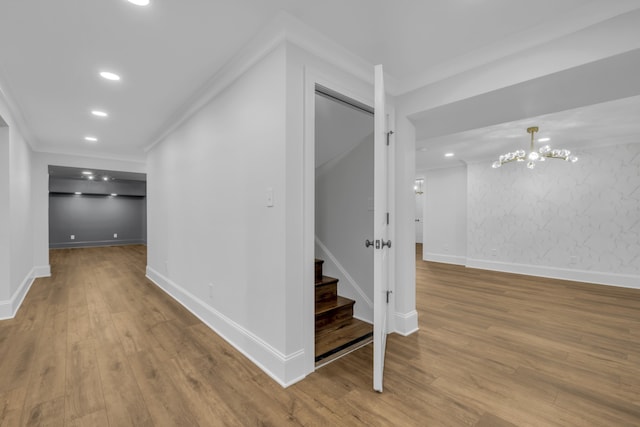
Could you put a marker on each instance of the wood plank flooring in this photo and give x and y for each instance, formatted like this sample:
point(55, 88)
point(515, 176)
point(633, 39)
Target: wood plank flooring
point(99, 345)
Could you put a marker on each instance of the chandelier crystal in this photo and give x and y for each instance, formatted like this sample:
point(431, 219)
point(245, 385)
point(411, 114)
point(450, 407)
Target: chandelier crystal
point(534, 156)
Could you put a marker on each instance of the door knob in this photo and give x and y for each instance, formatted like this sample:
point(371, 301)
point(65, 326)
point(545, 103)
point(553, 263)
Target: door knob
point(368, 243)
point(387, 244)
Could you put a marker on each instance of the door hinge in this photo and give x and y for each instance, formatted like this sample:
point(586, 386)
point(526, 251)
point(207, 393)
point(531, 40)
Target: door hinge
point(389, 136)
point(388, 292)
point(387, 218)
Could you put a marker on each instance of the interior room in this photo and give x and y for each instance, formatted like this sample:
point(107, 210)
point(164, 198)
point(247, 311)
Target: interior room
point(96, 208)
point(266, 174)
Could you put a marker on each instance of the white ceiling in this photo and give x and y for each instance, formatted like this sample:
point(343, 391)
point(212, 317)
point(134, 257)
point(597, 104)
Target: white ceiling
point(51, 53)
point(599, 125)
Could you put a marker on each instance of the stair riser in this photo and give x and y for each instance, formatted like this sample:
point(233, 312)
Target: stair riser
point(319, 270)
point(332, 318)
point(326, 293)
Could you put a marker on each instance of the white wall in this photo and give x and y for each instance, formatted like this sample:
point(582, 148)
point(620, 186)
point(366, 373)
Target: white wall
point(576, 221)
point(5, 217)
point(569, 221)
point(16, 267)
point(405, 317)
point(21, 211)
point(445, 215)
point(419, 201)
point(213, 243)
point(344, 220)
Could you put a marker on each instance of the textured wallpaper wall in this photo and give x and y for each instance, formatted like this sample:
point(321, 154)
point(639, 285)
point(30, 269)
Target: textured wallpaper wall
point(582, 216)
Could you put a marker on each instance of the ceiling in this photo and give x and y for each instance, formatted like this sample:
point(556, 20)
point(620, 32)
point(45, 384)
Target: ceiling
point(52, 51)
point(598, 125)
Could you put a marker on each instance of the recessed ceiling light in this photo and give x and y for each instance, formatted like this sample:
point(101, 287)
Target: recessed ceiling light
point(99, 113)
point(449, 155)
point(77, 192)
point(91, 138)
point(109, 75)
point(114, 194)
point(139, 2)
point(91, 177)
point(87, 173)
point(105, 178)
point(544, 139)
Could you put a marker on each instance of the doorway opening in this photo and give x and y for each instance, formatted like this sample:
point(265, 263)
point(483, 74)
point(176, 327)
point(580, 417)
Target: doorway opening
point(344, 189)
point(95, 207)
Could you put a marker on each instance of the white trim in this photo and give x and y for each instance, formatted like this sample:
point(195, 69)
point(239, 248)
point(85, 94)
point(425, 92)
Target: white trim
point(9, 308)
point(344, 272)
point(308, 217)
point(285, 369)
point(406, 323)
point(16, 118)
point(444, 258)
point(596, 277)
point(42, 271)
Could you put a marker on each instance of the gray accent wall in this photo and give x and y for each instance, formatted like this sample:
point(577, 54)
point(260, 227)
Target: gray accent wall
point(94, 219)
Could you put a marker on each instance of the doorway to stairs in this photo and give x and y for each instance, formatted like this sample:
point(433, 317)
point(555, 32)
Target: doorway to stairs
point(344, 208)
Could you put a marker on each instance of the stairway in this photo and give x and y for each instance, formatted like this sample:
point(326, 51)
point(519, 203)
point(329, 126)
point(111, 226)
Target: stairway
point(337, 331)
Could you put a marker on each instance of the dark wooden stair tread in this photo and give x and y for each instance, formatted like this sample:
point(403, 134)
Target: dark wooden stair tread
point(326, 280)
point(347, 334)
point(327, 306)
point(337, 332)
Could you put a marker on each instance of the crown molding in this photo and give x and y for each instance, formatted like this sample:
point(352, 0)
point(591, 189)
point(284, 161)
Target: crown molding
point(283, 29)
point(15, 117)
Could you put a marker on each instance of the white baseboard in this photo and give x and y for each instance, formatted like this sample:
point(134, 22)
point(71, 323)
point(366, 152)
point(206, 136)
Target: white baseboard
point(406, 323)
point(597, 277)
point(285, 369)
point(6, 310)
point(9, 308)
point(444, 258)
point(42, 271)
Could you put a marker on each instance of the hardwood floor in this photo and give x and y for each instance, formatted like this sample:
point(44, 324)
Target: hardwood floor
point(99, 345)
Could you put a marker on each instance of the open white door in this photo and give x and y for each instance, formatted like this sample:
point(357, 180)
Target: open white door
point(381, 231)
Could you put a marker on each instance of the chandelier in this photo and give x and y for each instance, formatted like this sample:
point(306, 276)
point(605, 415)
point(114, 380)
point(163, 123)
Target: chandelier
point(534, 156)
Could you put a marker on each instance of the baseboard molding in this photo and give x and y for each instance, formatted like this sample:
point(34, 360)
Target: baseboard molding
point(97, 243)
point(596, 277)
point(367, 315)
point(42, 271)
point(406, 323)
point(285, 369)
point(9, 308)
point(444, 258)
